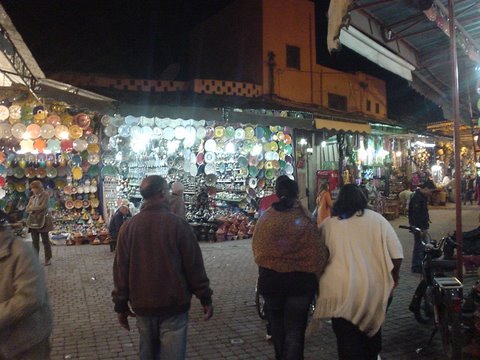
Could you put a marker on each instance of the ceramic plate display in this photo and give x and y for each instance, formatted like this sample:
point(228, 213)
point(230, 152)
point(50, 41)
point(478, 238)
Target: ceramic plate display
point(252, 182)
point(80, 145)
point(229, 132)
point(69, 204)
point(201, 132)
point(219, 131)
point(51, 172)
point(78, 204)
point(92, 139)
point(118, 120)
point(242, 162)
point(93, 159)
point(193, 169)
point(123, 131)
point(47, 131)
point(82, 120)
point(41, 173)
point(94, 202)
point(211, 180)
point(289, 169)
point(111, 130)
point(77, 173)
point(15, 112)
point(4, 113)
point(252, 171)
point(180, 133)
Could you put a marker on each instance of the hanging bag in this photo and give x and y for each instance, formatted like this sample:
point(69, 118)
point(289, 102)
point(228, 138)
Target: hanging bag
point(36, 220)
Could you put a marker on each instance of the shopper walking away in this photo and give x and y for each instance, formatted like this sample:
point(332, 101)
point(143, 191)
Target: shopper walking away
point(267, 201)
point(158, 266)
point(25, 314)
point(291, 257)
point(38, 207)
point(121, 215)
point(418, 216)
point(324, 203)
point(470, 190)
point(360, 276)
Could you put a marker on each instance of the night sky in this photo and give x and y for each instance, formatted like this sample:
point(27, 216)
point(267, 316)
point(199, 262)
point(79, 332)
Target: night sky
point(141, 38)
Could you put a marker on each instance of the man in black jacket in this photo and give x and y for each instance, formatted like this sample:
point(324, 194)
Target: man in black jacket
point(158, 266)
point(418, 216)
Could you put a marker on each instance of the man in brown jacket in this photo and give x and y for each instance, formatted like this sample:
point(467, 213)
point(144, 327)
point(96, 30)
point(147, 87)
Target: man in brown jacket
point(158, 266)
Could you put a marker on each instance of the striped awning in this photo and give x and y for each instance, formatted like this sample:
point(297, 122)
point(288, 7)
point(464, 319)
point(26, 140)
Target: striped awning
point(342, 126)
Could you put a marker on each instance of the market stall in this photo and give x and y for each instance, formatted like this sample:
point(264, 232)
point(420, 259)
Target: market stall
point(225, 167)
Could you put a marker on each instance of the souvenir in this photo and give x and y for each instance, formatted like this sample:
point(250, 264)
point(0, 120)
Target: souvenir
point(33, 131)
point(210, 169)
point(4, 113)
point(146, 132)
point(15, 112)
point(209, 132)
point(61, 132)
point(66, 146)
point(229, 132)
point(41, 173)
point(106, 120)
point(201, 132)
point(219, 131)
point(30, 172)
point(239, 134)
point(2, 181)
point(26, 145)
point(47, 131)
point(18, 173)
point(53, 145)
point(209, 157)
point(252, 182)
point(39, 145)
point(51, 172)
point(69, 204)
point(118, 121)
point(123, 131)
point(82, 120)
point(288, 169)
point(111, 130)
point(78, 204)
point(77, 173)
point(242, 162)
point(269, 174)
point(168, 133)
point(180, 133)
point(193, 169)
point(18, 130)
point(5, 130)
point(210, 145)
point(93, 148)
point(20, 187)
point(210, 180)
point(252, 171)
point(75, 132)
point(53, 120)
point(93, 159)
point(80, 145)
point(92, 139)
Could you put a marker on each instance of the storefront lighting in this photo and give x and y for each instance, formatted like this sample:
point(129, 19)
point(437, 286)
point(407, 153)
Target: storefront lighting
point(424, 144)
point(436, 168)
point(230, 148)
point(172, 146)
point(382, 152)
point(257, 149)
point(324, 143)
point(475, 138)
point(139, 143)
point(302, 141)
point(398, 153)
point(477, 165)
point(310, 151)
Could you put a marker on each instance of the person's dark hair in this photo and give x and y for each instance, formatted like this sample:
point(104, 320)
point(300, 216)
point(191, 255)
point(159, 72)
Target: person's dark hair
point(428, 184)
point(350, 201)
point(279, 180)
point(287, 191)
point(152, 185)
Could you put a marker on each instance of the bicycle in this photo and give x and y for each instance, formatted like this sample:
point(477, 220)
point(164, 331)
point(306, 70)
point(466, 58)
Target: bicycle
point(438, 297)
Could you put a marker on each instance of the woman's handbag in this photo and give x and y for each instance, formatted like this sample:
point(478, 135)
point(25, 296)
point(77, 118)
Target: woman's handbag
point(36, 220)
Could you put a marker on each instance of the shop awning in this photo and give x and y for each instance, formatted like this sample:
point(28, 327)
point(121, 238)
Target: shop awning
point(342, 126)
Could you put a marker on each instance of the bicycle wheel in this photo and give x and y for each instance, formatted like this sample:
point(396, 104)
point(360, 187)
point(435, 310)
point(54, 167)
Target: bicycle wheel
point(260, 305)
point(450, 327)
point(422, 303)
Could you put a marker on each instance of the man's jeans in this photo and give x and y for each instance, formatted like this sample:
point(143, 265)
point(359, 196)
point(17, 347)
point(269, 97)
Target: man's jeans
point(288, 317)
point(162, 337)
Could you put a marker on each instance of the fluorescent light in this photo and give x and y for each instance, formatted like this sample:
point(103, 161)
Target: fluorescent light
point(362, 44)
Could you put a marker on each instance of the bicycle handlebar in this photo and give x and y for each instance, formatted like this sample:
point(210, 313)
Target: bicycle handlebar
point(411, 228)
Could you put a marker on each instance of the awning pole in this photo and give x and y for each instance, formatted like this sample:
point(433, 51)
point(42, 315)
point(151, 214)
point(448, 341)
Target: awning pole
point(457, 145)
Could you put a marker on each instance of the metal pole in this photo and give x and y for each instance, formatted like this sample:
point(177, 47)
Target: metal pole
point(457, 145)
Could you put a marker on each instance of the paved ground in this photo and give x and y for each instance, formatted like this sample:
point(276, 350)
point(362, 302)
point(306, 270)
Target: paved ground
point(80, 282)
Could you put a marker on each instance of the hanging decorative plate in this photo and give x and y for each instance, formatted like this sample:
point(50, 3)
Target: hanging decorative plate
point(259, 132)
point(193, 169)
point(75, 132)
point(61, 132)
point(288, 159)
point(261, 164)
point(93, 159)
point(106, 120)
point(252, 161)
point(243, 172)
point(211, 145)
point(118, 120)
point(92, 139)
point(111, 130)
point(242, 162)
point(18, 172)
point(33, 131)
point(18, 130)
point(168, 133)
point(201, 132)
point(15, 112)
point(77, 173)
point(210, 169)
point(66, 146)
point(180, 133)
point(131, 120)
point(2, 181)
point(93, 148)
point(261, 184)
point(273, 146)
point(94, 202)
point(82, 120)
point(51, 172)
point(69, 204)
point(210, 180)
point(161, 122)
point(80, 145)
point(78, 204)
point(288, 149)
point(275, 164)
point(5, 130)
point(209, 157)
point(270, 174)
point(252, 182)
point(30, 172)
point(41, 173)
point(249, 133)
point(20, 187)
point(47, 131)
point(222, 167)
point(39, 145)
point(80, 189)
point(26, 145)
point(229, 132)
point(269, 165)
point(252, 171)
point(4, 113)
point(123, 131)
point(53, 120)
point(287, 139)
point(219, 131)
point(239, 134)
point(146, 132)
point(93, 189)
point(209, 132)
point(289, 169)
point(157, 131)
point(281, 164)
point(85, 204)
point(53, 145)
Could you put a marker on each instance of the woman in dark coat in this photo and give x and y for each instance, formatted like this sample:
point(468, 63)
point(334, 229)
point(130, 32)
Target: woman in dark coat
point(38, 203)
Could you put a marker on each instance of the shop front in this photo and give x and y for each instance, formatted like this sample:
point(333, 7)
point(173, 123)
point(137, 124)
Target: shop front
point(225, 167)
